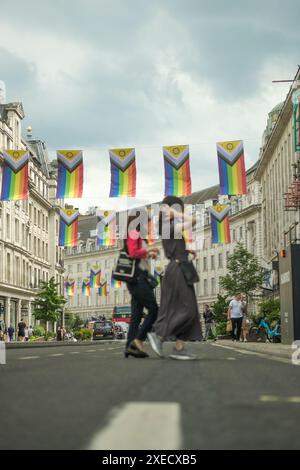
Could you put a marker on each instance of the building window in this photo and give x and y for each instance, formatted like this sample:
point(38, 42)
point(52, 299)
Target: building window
point(241, 233)
point(7, 225)
point(220, 260)
point(213, 285)
point(8, 268)
point(227, 258)
point(79, 268)
point(212, 262)
point(34, 216)
point(46, 224)
point(205, 264)
point(17, 231)
point(205, 287)
point(233, 235)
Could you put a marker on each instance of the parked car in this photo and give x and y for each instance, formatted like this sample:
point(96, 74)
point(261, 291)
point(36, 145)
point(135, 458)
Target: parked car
point(103, 330)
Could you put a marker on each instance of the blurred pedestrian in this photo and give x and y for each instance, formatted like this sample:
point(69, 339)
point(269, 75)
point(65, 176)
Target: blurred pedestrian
point(178, 315)
point(235, 314)
point(26, 333)
point(21, 330)
point(208, 316)
point(30, 332)
point(10, 332)
point(142, 295)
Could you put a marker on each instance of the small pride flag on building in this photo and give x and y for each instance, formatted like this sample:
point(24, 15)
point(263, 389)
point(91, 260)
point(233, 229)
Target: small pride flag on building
point(232, 171)
point(102, 291)
point(70, 287)
point(220, 223)
point(14, 175)
point(106, 228)
point(123, 172)
point(114, 283)
point(95, 277)
point(86, 290)
point(70, 174)
point(177, 170)
point(68, 227)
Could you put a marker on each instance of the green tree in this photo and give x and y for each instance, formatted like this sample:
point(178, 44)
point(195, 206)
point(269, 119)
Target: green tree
point(48, 304)
point(244, 275)
point(220, 308)
point(270, 310)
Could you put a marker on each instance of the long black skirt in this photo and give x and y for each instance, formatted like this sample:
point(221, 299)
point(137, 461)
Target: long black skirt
point(178, 315)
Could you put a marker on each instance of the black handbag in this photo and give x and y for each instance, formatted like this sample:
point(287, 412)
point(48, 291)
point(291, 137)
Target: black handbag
point(189, 271)
point(125, 269)
point(151, 281)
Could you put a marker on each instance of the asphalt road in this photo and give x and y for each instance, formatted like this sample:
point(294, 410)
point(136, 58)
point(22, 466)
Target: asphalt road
point(92, 397)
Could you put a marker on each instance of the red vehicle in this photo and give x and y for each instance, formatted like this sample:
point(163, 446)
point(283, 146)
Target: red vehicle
point(121, 315)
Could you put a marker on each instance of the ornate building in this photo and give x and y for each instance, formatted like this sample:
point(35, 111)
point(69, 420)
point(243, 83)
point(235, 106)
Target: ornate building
point(28, 229)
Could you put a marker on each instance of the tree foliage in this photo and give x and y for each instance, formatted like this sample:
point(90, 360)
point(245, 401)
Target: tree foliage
point(245, 275)
point(48, 304)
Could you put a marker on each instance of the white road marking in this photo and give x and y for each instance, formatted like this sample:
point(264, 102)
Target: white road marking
point(276, 398)
point(55, 355)
point(254, 353)
point(141, 425)
point(231, 358)
point(29, 357)
point(91, 350)
point(74, 352)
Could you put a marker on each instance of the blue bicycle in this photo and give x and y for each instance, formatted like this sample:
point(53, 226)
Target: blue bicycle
point(263, 333)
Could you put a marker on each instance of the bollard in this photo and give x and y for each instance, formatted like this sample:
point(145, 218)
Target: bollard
point(2, 353)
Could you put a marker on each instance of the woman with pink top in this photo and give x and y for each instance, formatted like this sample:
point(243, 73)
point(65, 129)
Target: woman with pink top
point(142, 295)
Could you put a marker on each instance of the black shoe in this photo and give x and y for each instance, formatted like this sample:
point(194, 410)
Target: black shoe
point(135, 353)
point(135, 348)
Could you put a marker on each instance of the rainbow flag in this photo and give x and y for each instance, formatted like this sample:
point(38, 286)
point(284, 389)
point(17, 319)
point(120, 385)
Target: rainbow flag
point(220, 223)
point(106, 228)
point(14, 175)
point(70, 287)
point(85, 289)
point(177, 170)
point(95, 276)
point(114, 283)
point(123, 172)
point(68, 227)
point(70, 174)
point(232, 171)
point(102, 291)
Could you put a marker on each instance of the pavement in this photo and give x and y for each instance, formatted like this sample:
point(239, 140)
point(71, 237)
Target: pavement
point(91, 397)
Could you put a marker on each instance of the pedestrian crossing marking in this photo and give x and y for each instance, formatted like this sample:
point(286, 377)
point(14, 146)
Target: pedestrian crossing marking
point(55, 355)
point(29, 357)
point(279, 399)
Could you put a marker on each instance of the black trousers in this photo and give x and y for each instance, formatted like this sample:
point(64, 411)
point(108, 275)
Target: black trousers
point(142, 296)
point(236, 324)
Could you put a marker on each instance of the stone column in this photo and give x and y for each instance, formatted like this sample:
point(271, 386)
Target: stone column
point(7, 312)
point(19, 313)
point(29, 314)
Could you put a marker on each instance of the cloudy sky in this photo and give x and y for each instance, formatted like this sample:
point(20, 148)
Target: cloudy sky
point(95, 74)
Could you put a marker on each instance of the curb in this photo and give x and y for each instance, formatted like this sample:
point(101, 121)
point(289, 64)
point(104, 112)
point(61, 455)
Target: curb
point(53, 344)
point(263, 348)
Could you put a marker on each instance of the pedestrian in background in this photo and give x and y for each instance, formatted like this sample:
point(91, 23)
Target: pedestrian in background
point(245, 323)
point(26, 333)
point(235, 314)
point(142, 295)
point(208, 316)
point(178, 315)
point(10, 332)
point(21, 330)
point(30, 332)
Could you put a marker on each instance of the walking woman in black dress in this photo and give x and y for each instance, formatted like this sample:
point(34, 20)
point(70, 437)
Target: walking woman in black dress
point(178, 314)
point(142, 295)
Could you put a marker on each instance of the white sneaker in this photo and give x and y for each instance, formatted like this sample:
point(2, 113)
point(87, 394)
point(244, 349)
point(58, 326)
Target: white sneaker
point(182, 355)
point(156, 344)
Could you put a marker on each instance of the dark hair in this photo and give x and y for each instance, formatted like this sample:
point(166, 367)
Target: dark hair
point(142, 215)
point(168, 201)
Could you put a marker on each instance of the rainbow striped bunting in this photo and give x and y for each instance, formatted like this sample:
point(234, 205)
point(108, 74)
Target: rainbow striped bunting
point(106, 228)
point(95, 277)
point(86, 289)
point(220, 223)
point(102, 291)
point(114, 283)
point(70, 174)
point(232, 171)
point(68, 227)
point(14, 175)
point(123, 172)
point(70, 287)
point(177, 170)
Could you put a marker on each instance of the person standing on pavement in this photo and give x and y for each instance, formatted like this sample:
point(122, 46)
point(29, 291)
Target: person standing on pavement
point(178, 315)
point(245, 323)
point(10, 333)
point(142, 295)
point(26, 333)
point(21, 330)
point(208, 316)
point(235, 314)
point(30, 332)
